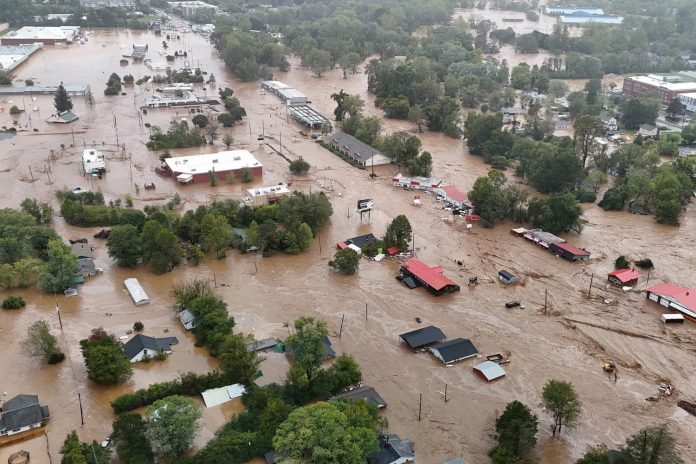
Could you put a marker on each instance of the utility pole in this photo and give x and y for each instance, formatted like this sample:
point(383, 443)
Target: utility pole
point(445, 393)
point(340, 331)
point(589, 291)
point(366, 312)
point(60, 321)
point(32, 175)
point(648, 280)
point(82, 414)
point(546, 297)
point(420, 405)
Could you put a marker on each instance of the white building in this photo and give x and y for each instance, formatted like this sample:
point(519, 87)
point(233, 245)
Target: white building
point(45, 35)
point(136, 291)
point(142, 347)
point(188, 320)
point(416, 183)
point(689, 101)
point(223, 163)
point(93, 162)
point(186, 9)
point(265, 195)
point(218, 396)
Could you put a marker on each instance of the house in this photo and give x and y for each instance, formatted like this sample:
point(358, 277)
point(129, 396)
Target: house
point(608, 121)
point(569, 252)
point(421, 338)
point(674, 297)
point(86, 267)
point(360, 241)
point(82, 250)
point(454, 197)
point(430, 277)
point(142, 346)
point(136, 291)
point(623, 277)
point(455, 350)
point(392, 450)
point(416, 183)
point(262, 345)
point(358, 151)
point(688, 99)
point(22, 413)
point(200, 168)
point(64, 117)
point(93, 162)
point(369, 394)
point(506, 278)
point(648, 131)
point(217, 396)
point(188, 320)
point(489, 371)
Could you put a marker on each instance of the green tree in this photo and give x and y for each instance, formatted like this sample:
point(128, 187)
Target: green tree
point(200, 120)
point(236, 361)
point(349, 63)
point(527, 43)
point(639, 110)
point(595, 455)
point(558, 213)
point(396, 108)
point(299, 167)
point(478, 129)
point(304, 236)
point(106, 362)
point(61, 100)
point(502, 455)
point(41, 342)
point(246, 176)
point(488, 198)
point(328, 433)
point(368, 130)
point(60, 268)
point(216, 234)
point(160, 247)
point(227, 139)
point(652, 445)
point(71, 450)
point(517, 428)
point(42, 212)
point(113, 85)
point(346, 261)
point(521, 77)
point(129, 438)
point(125, 245)
point(306, 345)
point(587, 130)
point(399, 233)
point(675, 107)
point(688, 133)
point(172, 425)
point(558, 88)
point(562, 402)
point(318, 61)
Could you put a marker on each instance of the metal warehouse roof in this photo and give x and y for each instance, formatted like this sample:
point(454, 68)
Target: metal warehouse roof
point(421, 337)
point(454, 350)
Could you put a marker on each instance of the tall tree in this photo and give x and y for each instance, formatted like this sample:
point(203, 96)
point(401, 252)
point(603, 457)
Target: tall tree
point(675, 107)
point(587, 129)
point(216, 234)
point(129, 437)
point(346, 261)
point(61, 100)
point(561, 400)
point(652, 445)
point(307, 344)
point(40, 341)
point(105, 360)
point(71, 450)
point(236, 361)
point(172, 425)
point(125, 245)
point(517, 428)
point(60, 268)
point(399, 233)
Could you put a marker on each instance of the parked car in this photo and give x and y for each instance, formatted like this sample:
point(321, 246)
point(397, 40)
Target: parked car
point(512, 304)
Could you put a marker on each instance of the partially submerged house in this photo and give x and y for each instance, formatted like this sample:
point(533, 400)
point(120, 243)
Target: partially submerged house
point(367, 393)
point(359, 242)
point(608, 121)
point(143, 347)
point(188, 320)
point(454, 197)
point(218, 396)
point(454, 350)
point(506, 277)
point(22, 413)
point(136, 291)
point(328, 354)
point(537, 236)
point(623, 277)
point(416, 183)
point(93, 162)
point(82, 249)
point(680, 299)
point(569, 252)
point(358, 151)
point(431, 278)
point(424, 337)
point(86, 267)
point(262, 345)
point(65, 117)
point(392, 450)
point(489, 371)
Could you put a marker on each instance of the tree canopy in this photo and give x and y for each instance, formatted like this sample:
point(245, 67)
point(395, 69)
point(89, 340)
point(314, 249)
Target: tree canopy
point(172, 425)
point(306, 345)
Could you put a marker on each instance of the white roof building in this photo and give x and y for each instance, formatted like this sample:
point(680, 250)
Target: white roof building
point(265, 195)
point(93, 161)
point(223, 161)
point(218, 396)
point(31, 34)
point(136, 291)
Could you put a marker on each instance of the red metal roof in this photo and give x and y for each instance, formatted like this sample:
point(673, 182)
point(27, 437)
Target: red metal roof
point(571, 249)
point(432, 276)
point(625, 275)
point(341, 245)
point(391, 251)
point(684, 296)
point(455, 194)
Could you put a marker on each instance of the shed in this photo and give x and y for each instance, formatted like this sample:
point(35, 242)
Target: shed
point(136, 291)
point(623, 277)
point(188, 319)
point(454, 350)
point(369, 394)
point(506, 278)
point(423, 337)
point(217, 396)
point(569, 252)
point(489, 371)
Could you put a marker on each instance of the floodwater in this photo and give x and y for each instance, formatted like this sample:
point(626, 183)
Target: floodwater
point(570, 342)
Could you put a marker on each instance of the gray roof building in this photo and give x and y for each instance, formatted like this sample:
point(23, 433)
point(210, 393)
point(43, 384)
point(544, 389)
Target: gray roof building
point(489, 371)
point(23, 412)
point(86, 267)
point(261, 345)
point(392, 450)
point(454, 350)
point(366, 393)
point(188, 319)
point(143, 343)
point(454, 461)
point(422, 337)
point(360, 152)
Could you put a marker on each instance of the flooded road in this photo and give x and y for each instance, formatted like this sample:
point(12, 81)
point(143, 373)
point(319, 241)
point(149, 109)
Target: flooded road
point(570, 342)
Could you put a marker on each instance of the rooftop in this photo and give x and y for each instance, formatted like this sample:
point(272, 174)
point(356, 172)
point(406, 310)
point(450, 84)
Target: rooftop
point(489, 370)
point(682, 295)
point(571, 249)
point(454, 350)
point(42, 33)
point(186, 316)
point(307, 115)
point(369, 394)
point(580, 18)
point(135, 289)
point(625, 275)
point(362, 240)
point(275, 85)
point(455, 194)
point(21, 411)
point(428, 181)
point(432, 276)
point(573, 9)
point(280, 189)
point(656, 81)
point(422, 337)
point(357, 149)
point(220, 162)
point(141, 342)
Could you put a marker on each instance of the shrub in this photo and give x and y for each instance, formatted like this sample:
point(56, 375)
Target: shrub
point(621, 263)
point(14, 110)
point(645, 263)
point(55, 358)
point(585, 196)
point(138, 326)
point(200, 120)
point(499, 162)
point(299, 167)
point(13, 302)
point(247, 176)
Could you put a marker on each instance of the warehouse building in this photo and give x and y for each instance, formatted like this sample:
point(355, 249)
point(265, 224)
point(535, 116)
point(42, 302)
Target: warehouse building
point(200, 168)
point(44, 35)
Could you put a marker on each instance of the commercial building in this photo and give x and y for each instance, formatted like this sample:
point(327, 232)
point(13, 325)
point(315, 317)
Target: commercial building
point(431, 278)
point(666, 88)
point(454, 197)
point(307, 116)
point(569, 252)
point(12, 56)
point(537, 236)
point(22, 413)
point(265, 195)
point(142, 347)
point(186, 9)
point(569, 10)
point(199, 168)
point(358, 151)
point(288, 94)
point(416, 183)
point(686, 99)
point(93, 162)
point(129, 5)
point(674, 297)
point(44, 35)
point(579, 18)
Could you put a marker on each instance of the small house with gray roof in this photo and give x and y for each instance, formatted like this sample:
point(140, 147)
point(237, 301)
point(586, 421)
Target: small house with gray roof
point(22, 413)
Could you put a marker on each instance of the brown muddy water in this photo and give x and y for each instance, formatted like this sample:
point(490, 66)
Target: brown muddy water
point(570, 342)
